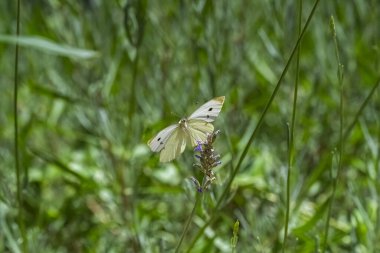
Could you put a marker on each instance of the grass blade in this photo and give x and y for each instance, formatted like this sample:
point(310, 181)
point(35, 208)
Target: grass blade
point(45, 45)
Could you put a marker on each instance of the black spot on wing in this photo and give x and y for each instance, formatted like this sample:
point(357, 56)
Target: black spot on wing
point(210, 109)
point(208, 116)
point(159, 139)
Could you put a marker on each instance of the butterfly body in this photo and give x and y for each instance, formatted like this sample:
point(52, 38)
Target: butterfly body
point(171, 141)
point(183, 123)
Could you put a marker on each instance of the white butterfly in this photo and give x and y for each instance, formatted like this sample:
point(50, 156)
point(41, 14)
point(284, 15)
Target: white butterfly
point(172, 140)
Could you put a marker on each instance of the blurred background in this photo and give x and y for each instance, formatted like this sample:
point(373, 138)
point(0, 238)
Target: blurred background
point(98, 79)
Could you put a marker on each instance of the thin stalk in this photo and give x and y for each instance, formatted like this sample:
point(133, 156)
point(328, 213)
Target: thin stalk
point(189, 219)
point(291, 133)
point(289, 141)
point(261, 120)
point(201, 231)
point(327, 223)
point(245, 151)
point(341, 139)
point(16, 137)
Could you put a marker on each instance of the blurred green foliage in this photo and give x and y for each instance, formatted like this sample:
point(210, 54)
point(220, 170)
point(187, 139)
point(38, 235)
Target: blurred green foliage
point(97, 79)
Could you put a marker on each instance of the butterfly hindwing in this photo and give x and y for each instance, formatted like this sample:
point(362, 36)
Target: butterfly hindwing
point(209, 111)
point(174, 146)
point(159, 141)
point(198, 130)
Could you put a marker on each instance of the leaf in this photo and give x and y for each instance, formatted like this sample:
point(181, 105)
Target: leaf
point(49, 46)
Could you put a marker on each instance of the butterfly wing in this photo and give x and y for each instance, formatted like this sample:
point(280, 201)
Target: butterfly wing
point(171, 141)
point(158, 142)
point(197, 130)
point(209, 111)
point(174, 146)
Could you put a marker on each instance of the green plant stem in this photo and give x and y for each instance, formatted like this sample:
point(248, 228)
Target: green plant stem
point(16, 137)
point(245, 151)
point(287, 211)
point(341, 140)
point(327, 223)
point(189, 219)
point(291, 133)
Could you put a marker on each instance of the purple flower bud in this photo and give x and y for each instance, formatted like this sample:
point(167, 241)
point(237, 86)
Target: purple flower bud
point(198, 147)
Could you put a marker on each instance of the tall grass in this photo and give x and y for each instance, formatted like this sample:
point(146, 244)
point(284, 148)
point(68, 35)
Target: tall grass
point(20, 187)
point(95, 80)
point(335, 177)
point(291, 150)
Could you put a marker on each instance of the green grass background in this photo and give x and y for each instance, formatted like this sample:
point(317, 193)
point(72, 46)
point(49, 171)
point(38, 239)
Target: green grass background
point(97, 79)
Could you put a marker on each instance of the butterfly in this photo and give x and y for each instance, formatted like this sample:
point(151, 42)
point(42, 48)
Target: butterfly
point(171, 141)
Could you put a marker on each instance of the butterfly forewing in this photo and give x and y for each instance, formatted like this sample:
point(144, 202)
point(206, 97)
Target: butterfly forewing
point(157, 143)
point(209, 111)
